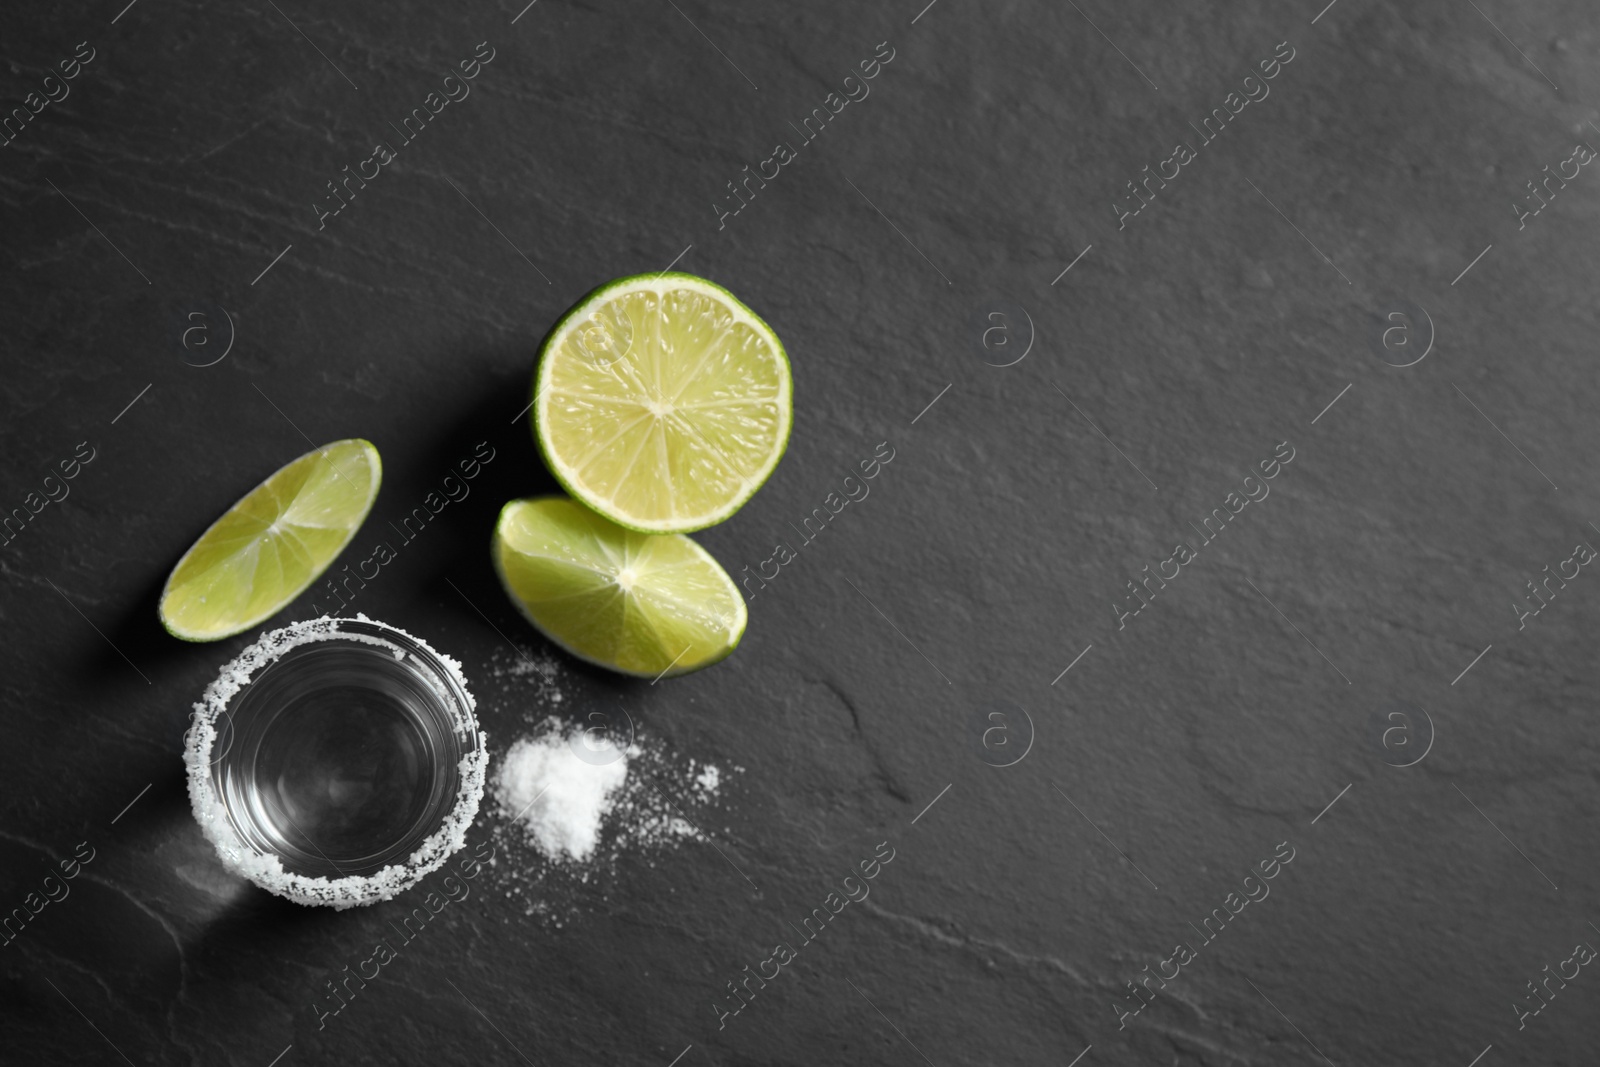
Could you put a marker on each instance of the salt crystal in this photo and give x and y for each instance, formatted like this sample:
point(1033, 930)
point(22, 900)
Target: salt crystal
point(559, 799)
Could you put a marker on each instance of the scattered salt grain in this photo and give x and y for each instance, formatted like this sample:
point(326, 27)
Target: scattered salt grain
point(613, 790)
point(540, 668)
point(577, 803)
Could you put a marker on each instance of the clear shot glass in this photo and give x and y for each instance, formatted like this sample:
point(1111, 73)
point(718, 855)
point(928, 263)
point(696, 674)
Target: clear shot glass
point(336, 761)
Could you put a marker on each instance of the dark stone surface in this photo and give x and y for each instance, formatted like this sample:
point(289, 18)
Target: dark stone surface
point(1220, 722)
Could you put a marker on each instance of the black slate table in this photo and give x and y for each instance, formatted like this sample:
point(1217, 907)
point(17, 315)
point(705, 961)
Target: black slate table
point(1089, 272)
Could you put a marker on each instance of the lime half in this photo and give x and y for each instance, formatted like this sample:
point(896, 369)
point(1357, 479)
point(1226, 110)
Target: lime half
point(642, 605)
point(272, 544)
point(662, 402)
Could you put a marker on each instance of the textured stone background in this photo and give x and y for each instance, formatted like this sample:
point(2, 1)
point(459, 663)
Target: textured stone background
point(1220, 722)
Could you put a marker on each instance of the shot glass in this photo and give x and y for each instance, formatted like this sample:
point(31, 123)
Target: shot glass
point(336, 761)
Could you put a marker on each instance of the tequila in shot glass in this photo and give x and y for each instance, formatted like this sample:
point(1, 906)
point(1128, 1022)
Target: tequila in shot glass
point(336, 761)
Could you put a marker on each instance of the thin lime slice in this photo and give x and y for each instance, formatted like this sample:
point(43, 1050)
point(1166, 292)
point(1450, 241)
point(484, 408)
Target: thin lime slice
point(662, 402)
point(640, 604)
point(272, 544)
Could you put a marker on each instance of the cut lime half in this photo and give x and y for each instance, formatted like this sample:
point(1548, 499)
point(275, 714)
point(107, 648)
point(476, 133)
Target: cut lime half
point(644, 605)
point(272, 544)
point(662, 402)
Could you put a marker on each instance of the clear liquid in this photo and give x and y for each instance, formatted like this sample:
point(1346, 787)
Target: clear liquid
point(343, 759)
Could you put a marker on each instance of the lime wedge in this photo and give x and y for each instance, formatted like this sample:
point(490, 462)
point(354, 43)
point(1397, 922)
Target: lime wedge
point(662, 402)
point(642, 605)
point(272, 544)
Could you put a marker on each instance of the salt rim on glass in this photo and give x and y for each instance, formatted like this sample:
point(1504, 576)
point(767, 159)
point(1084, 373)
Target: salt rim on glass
point(264, 868)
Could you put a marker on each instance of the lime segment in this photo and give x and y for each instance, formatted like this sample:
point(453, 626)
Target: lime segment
point(272, 544)
point(640, 604)
point(662, 402)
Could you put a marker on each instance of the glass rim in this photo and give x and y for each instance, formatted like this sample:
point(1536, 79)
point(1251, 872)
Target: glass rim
point(265, 868)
